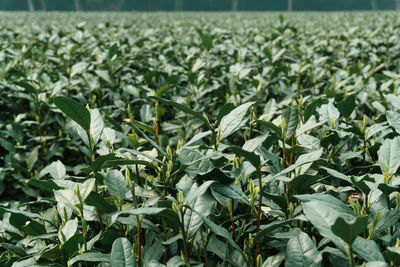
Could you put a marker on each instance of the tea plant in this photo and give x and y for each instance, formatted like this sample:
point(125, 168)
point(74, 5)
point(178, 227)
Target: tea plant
point(151, 141)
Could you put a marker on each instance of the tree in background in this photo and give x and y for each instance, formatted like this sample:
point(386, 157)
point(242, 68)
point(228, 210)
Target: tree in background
point(235, 4)
point(373, 4)
point(290, 5)
point(78, 6)
point(178, 5)
point(43, 5)
point(31, 7)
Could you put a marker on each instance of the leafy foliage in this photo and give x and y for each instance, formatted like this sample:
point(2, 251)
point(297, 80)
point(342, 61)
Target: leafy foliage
point(143, 142)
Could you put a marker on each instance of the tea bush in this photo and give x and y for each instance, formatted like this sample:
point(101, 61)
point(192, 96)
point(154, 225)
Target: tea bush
point(193, 139)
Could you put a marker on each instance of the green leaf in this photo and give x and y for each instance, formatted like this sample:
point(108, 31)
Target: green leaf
point(311, 108)
point(29, 88)
point(271, 127)
point(67, 197)
point(301, 183)
point(359, 182)
point(301, 251)
point(376, 264)
point(196, 191)
point(57, 170)
point(302, 160)
point(204, 205)
point(219, 231)
point(291, 116)
point(45, 185)
point(253, 158)
point(6, 144)
point(96, 125)
point(348, 231)
point(96, 200)
point(91, 256)
point(347, 106)
point(74, 110)
point(329, 112)
point(224, 110)
point(175, 261)
point(183, 108)
point(144, 127)
point(78, 68)
point(68, 230)
point(389, 219)
point(388, 189)
point(104, 75)
point(122, 162)
point(266, 229)
point(252, 144)
point(98, 163)
point(393, 119)
point(133, 211)
point(116, 183)
point(86, 188)
point(231, 191)
point(30, 262)
point(195, 161)
point(367, 249)
point(234, 120)
point(33, 228)
point(215, 174)
point(323, 215)
point(15, 250)
point(121, 253)
point(389, 155)
point(274, 261)
point(159, 148)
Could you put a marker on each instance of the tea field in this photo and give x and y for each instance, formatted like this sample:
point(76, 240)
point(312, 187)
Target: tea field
point(200, 139)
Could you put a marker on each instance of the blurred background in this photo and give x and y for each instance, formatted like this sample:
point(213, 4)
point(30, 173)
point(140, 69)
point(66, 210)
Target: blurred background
point(198, 5)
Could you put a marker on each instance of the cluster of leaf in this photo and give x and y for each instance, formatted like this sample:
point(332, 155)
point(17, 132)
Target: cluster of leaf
point(248, 141)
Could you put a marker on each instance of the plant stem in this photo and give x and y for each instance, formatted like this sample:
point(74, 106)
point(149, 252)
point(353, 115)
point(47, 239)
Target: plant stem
point(259, 209)
point(139, 240)
point(158, 152)
point(205, 242)
point(350, 255)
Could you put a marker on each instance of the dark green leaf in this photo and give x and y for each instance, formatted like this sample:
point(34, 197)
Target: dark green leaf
point(74, 110)
point(253, 158)
point(348, 231)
